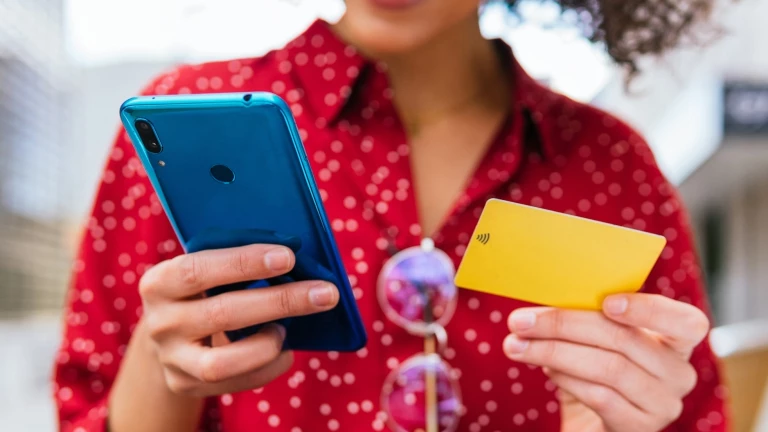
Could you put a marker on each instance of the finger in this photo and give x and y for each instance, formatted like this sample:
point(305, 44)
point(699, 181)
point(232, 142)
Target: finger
point(219, 364)
point(255, 379)
point(190, 274)
point(591, 364)
point(182, 383)
point(594, 329)
point(239, 309)
point(682, 325)
point(618, 414)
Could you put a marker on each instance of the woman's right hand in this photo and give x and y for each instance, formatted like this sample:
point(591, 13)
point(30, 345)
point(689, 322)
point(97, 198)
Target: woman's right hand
point(186, 328)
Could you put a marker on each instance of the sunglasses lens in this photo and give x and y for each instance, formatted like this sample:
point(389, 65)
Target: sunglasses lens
point(404, 396)
point(416, 289)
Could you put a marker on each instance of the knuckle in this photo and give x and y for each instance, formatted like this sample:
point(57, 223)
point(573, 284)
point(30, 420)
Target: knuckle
point(242, 263)
point(285, 301)
point(559, 321)
point(166, 358)
point(638, 380)
point(158, 325)
point(189, 268)
point(179, 384)
point(600, 398)
point(216, 312)
point(211, 370)
point(698, 324)
point(615, 367)
point(149, 283)
point(654, 307)
point(674, 410)
point(621, 337)
point(690, 379)
point(549, 350)
point(269, 348)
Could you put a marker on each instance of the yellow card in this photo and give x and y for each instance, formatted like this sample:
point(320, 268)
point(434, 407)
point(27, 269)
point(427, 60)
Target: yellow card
point(554, 259)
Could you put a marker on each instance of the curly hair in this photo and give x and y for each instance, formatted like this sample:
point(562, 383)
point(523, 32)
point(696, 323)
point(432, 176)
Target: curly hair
point(631, 29)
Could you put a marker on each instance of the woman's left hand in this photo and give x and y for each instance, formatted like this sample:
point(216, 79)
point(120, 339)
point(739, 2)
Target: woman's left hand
point(623, 369)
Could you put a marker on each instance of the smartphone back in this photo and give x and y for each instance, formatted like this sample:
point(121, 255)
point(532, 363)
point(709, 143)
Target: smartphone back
point(232, 171)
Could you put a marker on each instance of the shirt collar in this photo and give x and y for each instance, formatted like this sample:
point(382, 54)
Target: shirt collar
point(327, 65)
point(533, 103)
point(333, 69)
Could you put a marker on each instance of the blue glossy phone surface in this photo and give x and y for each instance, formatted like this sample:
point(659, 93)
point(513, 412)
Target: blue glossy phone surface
point(272, 199)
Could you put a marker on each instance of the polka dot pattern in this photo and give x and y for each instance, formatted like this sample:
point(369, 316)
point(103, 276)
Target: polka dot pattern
point(584, 163)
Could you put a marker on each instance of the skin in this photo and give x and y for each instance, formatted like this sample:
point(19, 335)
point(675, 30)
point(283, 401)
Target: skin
point(451, 93)
point(178, 353)
point(624, 368)
point(450, 90)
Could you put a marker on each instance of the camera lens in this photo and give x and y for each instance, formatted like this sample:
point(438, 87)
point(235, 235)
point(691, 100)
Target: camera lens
point(148, 137)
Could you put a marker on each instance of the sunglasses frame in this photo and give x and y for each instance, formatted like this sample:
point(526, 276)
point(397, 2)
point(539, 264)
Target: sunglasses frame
point(433, 333)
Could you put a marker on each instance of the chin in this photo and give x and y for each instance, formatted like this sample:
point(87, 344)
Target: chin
point(385, 30)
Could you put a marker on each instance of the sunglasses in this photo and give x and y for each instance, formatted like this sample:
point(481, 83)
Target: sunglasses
point(416, 291)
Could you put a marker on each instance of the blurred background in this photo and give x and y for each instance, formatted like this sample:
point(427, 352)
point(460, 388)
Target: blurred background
point(66, 65)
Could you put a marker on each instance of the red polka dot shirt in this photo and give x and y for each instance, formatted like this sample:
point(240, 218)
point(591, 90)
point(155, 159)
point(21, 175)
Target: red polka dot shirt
point(552, 152)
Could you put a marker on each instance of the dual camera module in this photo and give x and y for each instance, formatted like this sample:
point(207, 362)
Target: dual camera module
point(148, 136)
point(221, 173)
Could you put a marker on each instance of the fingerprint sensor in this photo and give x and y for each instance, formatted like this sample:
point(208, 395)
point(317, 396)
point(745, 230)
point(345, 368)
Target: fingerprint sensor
point(223, 174)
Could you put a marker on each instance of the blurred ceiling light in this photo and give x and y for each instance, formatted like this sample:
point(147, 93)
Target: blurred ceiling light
point(102, 32)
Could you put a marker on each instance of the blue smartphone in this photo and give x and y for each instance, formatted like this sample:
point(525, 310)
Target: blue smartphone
point(230, 170)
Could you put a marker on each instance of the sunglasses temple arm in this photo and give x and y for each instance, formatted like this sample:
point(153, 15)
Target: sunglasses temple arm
point(431, 387)
point(430, 375)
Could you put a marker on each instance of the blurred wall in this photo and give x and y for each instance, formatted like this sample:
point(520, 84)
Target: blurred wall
point(34, 78)
point(95, 102)
point(727, 198)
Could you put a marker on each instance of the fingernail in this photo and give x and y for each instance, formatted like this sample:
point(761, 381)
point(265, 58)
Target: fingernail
point(514, 346)
point(280, 329)
point(277, 259)
point(522, 319)
point(616, 305)
point(322, 295)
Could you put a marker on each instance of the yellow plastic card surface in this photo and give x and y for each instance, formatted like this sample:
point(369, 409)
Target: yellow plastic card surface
point(554, 259)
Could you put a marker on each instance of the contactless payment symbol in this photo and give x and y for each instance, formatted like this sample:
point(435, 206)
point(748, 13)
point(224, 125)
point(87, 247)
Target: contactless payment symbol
point(483, 238)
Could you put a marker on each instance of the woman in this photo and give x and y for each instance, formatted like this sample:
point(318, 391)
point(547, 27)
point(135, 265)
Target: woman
point(406, 146)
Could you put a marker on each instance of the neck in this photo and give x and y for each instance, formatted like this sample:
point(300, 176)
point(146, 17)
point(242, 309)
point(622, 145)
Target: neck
point(456, 70)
